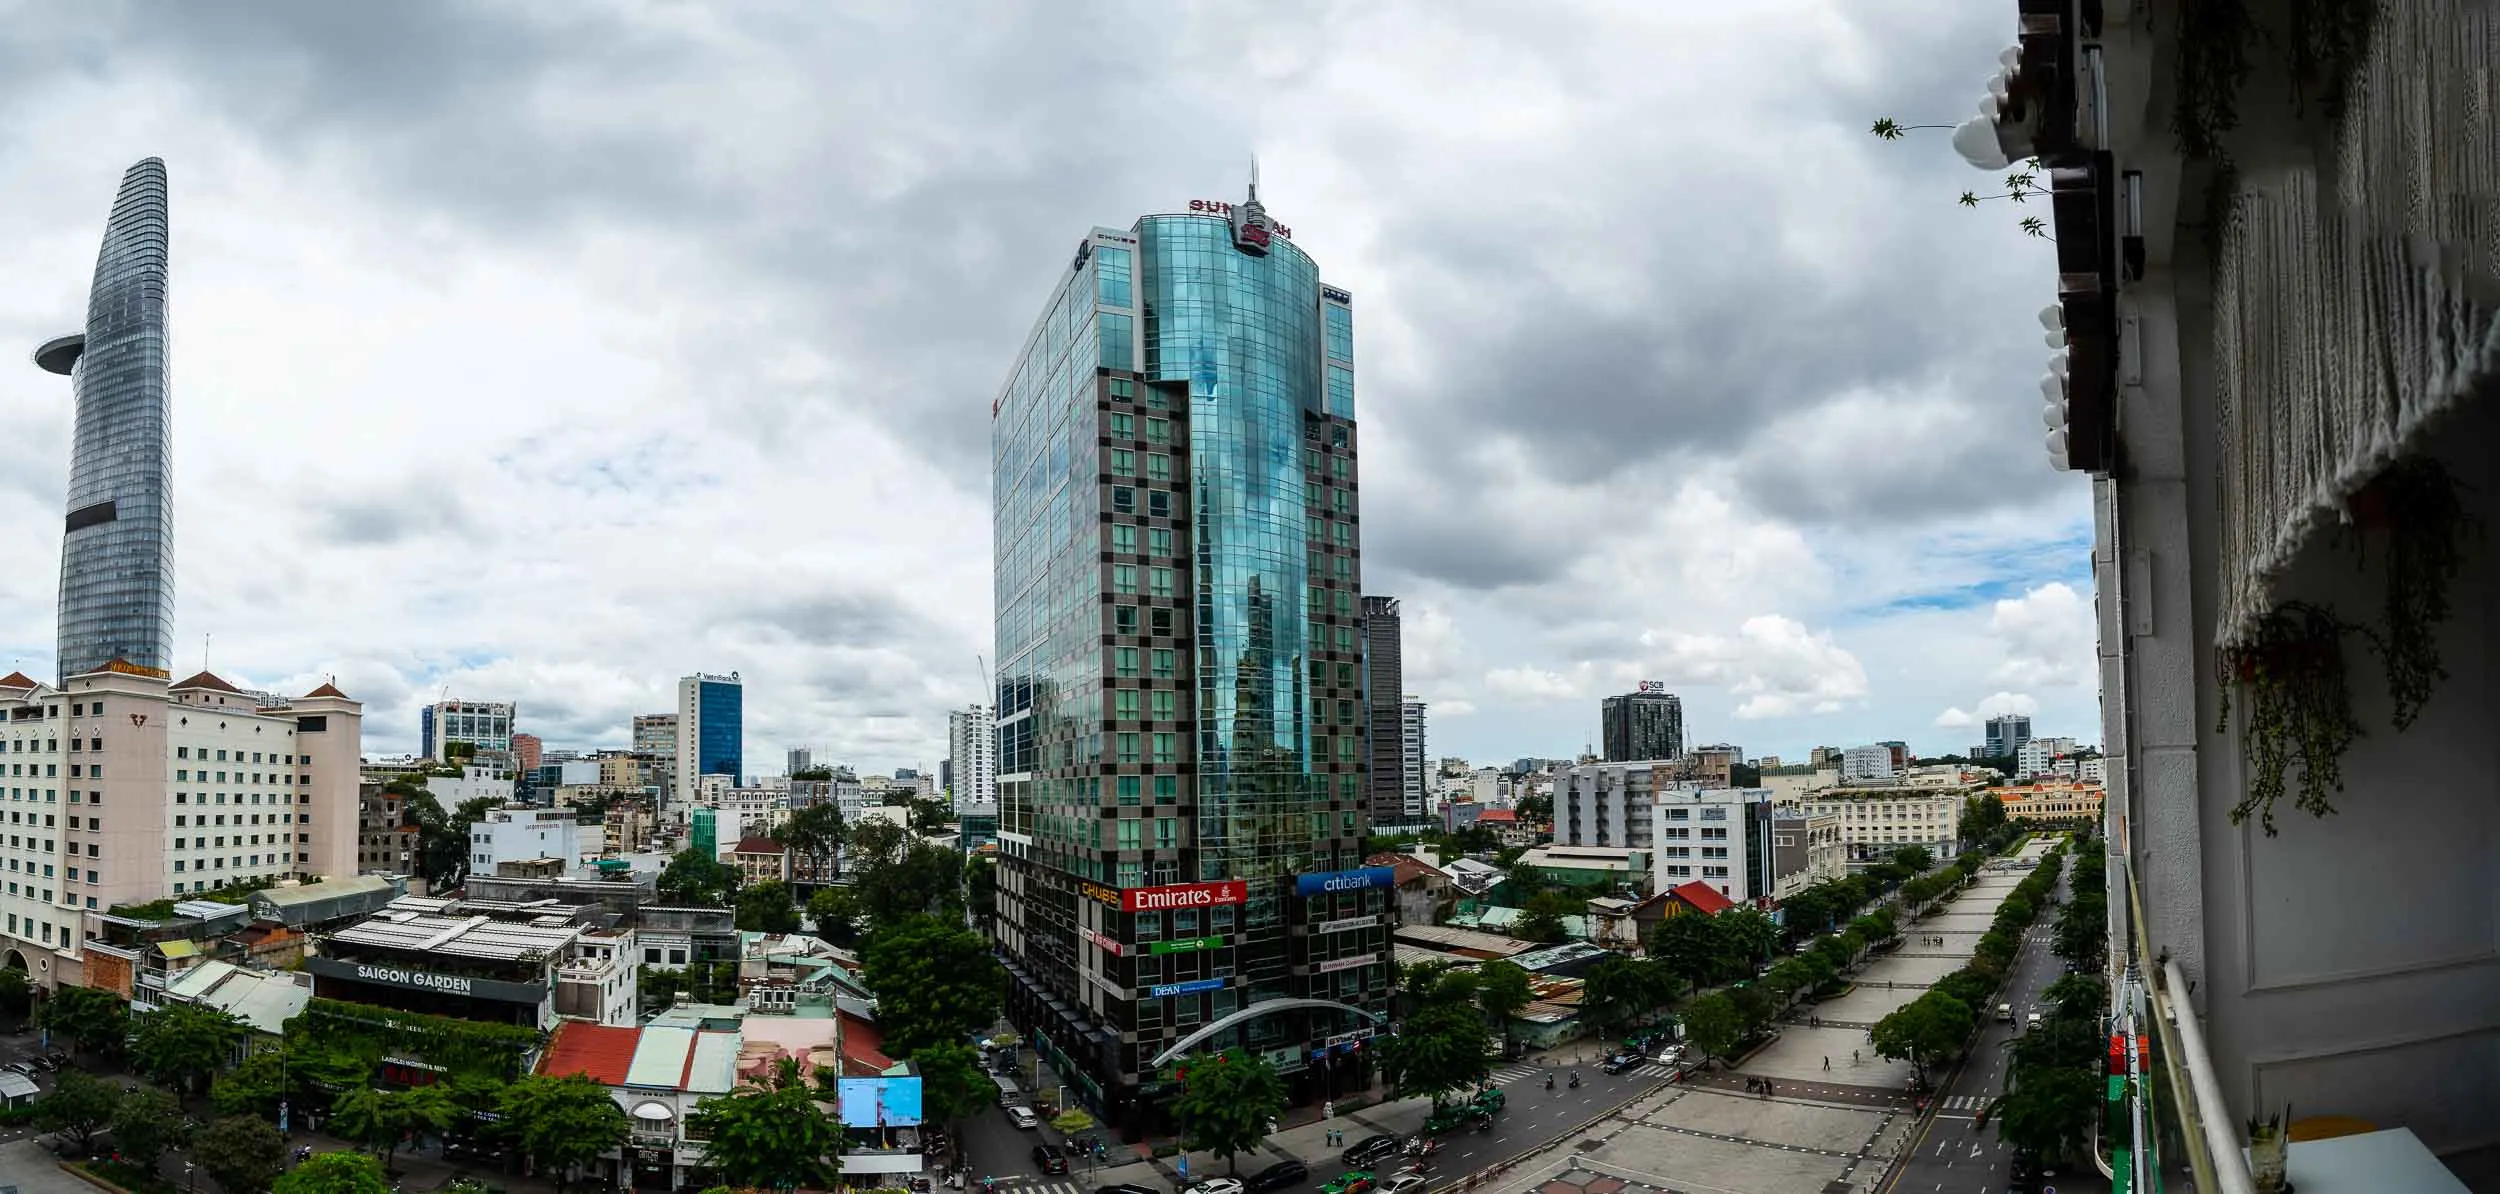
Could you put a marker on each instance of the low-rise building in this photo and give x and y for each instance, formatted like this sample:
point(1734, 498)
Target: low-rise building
point(658, 1077)
point(308, 906)
point(1806, 849)
point(1718, 836)
point(445, 958)
point(520, 834)
point(1867, 764)
point(386, 832)
point(1424, 891)
point(264, 1000)
point(2051, 801)
point(1875, 822)
point(1595, 868)
point(760, 859)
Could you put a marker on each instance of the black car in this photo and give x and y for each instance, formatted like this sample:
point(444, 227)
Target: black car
point(1124, 1188)
point(1621, 1062)
point(1280, 1176)
point(1051, 1158)
point(1364, 1153)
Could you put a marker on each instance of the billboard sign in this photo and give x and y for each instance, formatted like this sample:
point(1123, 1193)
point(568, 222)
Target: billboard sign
point(1653, 686)
point(1188, 988)
point(878, 1102)
point(1327, 882)
point(1100, 894)
point(412, 979)
point(1184, 895)
point(1334, 965)
point(1184, 945)
point(1109, 946)
point(1340, 926)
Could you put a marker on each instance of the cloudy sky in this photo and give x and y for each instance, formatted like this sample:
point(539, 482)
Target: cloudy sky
point(548, 352)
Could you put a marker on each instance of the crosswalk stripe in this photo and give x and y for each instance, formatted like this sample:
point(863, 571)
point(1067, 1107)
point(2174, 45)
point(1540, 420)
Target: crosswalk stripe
point(1514, 1073)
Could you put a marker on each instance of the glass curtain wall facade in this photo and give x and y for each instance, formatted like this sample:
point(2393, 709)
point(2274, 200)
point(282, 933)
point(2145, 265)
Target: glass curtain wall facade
point(1643, 727)
point(720, 743)
point(117, 545)
point(1384, 683)
point(1180, 733)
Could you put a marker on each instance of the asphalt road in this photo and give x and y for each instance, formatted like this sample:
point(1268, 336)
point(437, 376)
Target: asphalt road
point(1532, 1117)
point(1953, 1154)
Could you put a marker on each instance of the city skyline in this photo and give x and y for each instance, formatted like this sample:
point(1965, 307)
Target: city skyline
point(830, 520)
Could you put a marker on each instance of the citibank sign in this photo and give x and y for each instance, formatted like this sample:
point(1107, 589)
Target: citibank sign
point(1184, 895)
point(1327, 882)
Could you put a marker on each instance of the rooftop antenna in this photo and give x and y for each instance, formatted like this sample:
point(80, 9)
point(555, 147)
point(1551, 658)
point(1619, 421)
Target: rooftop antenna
point(1254, 178)
point(204, 641)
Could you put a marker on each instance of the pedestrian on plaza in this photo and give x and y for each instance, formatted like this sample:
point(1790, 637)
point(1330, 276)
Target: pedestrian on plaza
point(1827, 1065)
point(1853, 1057)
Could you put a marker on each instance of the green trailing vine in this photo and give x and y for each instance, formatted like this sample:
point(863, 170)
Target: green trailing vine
point(2292, 668)
point(2213, 41)
point(2417, 502)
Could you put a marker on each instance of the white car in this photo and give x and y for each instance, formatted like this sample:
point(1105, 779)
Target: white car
point(1217, 1185)
point(1024, 1118)
point(1404, 1183)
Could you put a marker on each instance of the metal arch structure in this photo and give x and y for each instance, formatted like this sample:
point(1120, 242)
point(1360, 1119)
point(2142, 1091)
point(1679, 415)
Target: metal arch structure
point(1252, 1012)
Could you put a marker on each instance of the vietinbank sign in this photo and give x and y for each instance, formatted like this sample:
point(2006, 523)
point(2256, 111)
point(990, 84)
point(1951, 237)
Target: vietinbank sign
point(1184, 895)
point(1327, 882)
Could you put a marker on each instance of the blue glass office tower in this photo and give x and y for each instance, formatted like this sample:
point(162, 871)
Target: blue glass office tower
point(117, 544)
point(1180, 685)
point(711, 731)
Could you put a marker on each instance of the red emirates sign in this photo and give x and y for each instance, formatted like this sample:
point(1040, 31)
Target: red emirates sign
point(1184, 895)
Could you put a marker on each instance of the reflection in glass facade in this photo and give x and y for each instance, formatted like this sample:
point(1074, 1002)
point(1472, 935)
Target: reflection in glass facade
point(117, 549)
point(1180, 647)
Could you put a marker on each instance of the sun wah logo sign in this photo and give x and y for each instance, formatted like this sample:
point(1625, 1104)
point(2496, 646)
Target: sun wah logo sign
point(1253, 232)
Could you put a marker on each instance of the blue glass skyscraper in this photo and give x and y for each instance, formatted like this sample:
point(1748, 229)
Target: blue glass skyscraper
point(1181, 709)
point(117, 546)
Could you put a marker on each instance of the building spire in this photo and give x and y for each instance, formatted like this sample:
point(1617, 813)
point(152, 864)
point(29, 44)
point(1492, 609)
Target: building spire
point(1254, 178)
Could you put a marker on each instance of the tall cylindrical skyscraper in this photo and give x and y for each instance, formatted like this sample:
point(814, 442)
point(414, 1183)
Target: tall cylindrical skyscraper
point(117, 545)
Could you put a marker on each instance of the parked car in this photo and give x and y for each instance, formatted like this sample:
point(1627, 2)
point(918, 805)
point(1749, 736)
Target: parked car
point(1217, 1185)
point(1351, 1183)
point(1369, 1151)
point(21, 1067)
point(1404, 1183)
point(1050, 1158)
point(1621, 1062)
point(1283, 1175)
point(1024, 1118)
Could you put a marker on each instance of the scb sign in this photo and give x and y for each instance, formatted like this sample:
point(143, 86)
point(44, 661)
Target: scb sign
point(1331, 882)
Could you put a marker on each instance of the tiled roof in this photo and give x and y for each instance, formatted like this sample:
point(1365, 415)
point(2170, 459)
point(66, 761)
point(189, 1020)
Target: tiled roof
point(601, 1052)
point(863, 1048)
point(1408, 867)
point(760, 845)
point(208, 680)
point(1499, 814)
point(326, 690)
point(1703, 897)
point(16, 680)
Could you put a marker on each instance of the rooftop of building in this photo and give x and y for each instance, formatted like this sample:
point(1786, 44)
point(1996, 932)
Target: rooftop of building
point(758, 844)
point(1447, 939)
point(327, 889)
point(263, 999)
point(652, 1057)
point(1701, 897)
point(479, 937)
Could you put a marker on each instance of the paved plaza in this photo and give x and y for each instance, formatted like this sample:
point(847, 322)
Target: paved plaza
point(1916, 972)
point(1864, 1005)
point(1798, 1055)
point(1770, 1121)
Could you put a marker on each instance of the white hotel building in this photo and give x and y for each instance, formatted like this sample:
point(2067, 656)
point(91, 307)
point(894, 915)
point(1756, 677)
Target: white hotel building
point(122, 788)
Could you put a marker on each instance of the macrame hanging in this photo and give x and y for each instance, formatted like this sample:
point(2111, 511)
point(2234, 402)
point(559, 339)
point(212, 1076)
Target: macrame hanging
point(2347, 314)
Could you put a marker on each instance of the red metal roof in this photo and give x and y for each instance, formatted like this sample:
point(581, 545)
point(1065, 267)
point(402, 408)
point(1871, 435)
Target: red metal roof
point(863, 1048)
point(1703, 897)
point(602, 1052)
point(760, 845)
point(326, 690)
point(1499, 814)
point(16, 680)
point(207, 680)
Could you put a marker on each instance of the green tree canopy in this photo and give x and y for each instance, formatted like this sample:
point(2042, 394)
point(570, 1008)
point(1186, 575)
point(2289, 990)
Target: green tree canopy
point(837, 916)
point(895, 876)
point(935, 981)
point(183, 1044)
point(2048, 1110)
point(561, 1124)
point(769, 1139)
point(147, 1124)
point(1924, 1030)
point(17, 992)
point(1437, 1050)
point(815, 833)
point(384, 1121)
point(1712, 1023)
point(88, 1017)
point(1501, 990)
point(1746, 936)
point(241, 1153)
point(334, 1173)
point(768, 907)
point(953, 1087)
point(1914, 859)
point(80, 1105)
point(1688, 946)
point(931, 816)
point(1226, 1101)
point(1620, 991)
point(692, 881)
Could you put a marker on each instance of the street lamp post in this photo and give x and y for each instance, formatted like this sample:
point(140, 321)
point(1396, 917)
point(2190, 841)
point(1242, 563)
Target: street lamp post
point(191, 1176)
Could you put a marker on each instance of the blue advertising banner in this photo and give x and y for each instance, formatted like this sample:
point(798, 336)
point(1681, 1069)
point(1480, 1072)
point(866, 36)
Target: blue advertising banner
point(1333, 881)
point(878, 1102)
point(1188, 988)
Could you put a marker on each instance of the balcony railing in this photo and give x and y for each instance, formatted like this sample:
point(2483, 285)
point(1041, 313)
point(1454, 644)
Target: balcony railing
point(2213, 1148)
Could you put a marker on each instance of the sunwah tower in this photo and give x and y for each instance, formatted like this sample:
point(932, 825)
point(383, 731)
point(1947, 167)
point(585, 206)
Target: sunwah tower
point(1181, 707)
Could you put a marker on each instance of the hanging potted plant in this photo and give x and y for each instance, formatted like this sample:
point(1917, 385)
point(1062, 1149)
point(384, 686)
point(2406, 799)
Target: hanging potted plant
point(2416, 507)
point(2269, 1153)
point(2291, 668)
